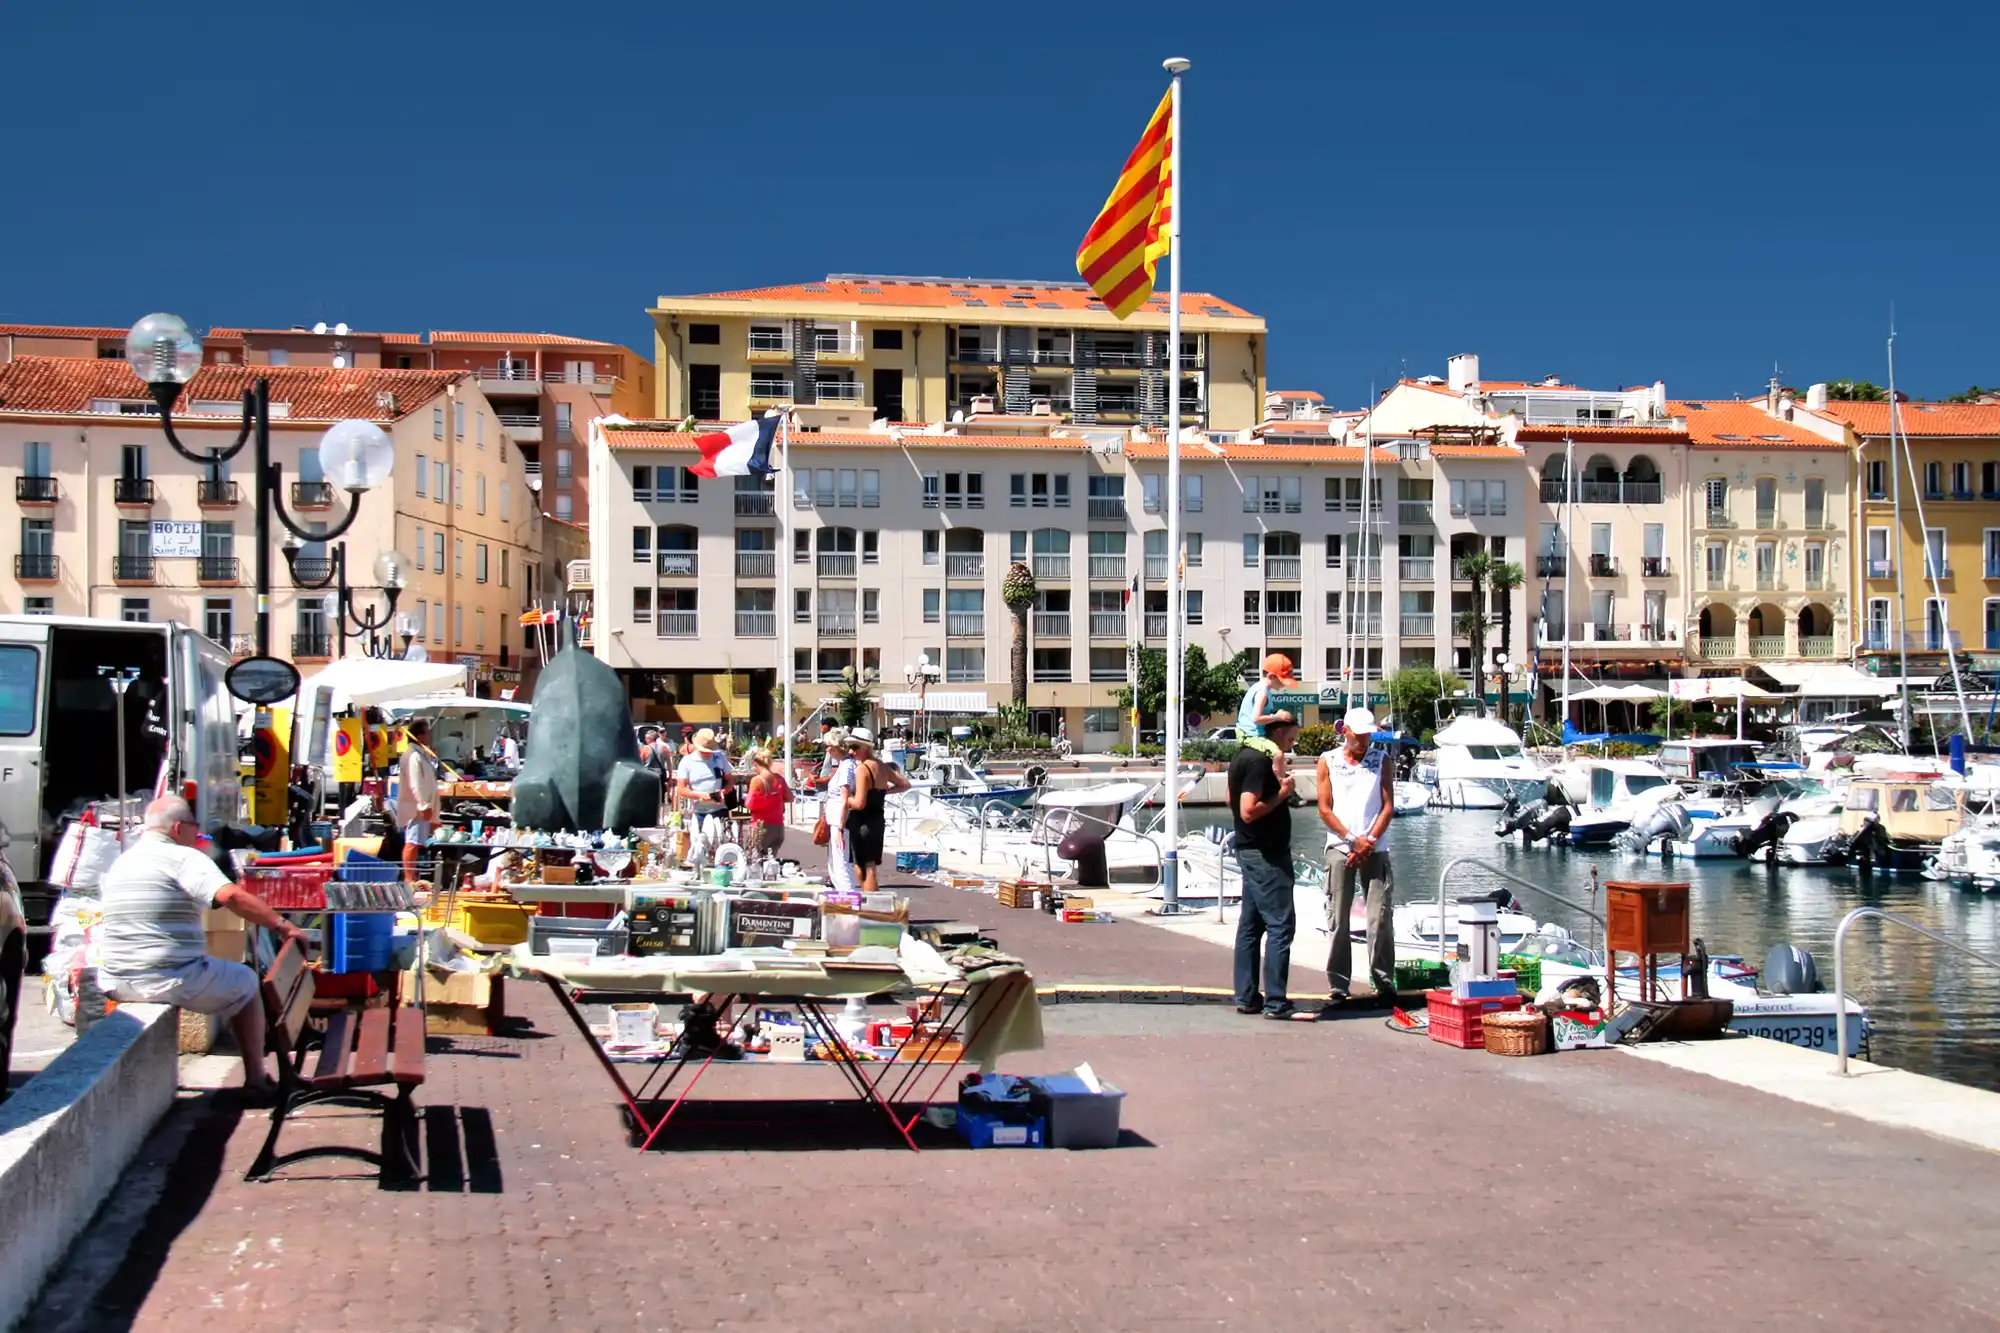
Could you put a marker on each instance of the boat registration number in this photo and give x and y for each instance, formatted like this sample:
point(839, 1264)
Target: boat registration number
point(1813, 1036)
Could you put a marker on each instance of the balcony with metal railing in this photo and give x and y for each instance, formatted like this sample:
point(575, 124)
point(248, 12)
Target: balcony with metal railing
point(37, 567)
point(132, 490)
point(838, 565)
point(1365, 569)
point(769, 344)
point(1052, 356)
point(756, 624)
point(1604, 631)
point(1767, 580)
point(213, 494)
point(1551, 566)
point(1603, 566)
point(1655, 567)
point(1413, 513)
point(1935, 568)
point(1050, 624)
point(1416, 568)
point(132, 568)
point(312, 643)
point(312, 495)
point(836, 624)
point(311, 571)
point(1107, 567)
point(35, 490)
point(1107, 508)
point(1717, 518)
point(1050, 567)
point(679, 564)
point(966, 566)
point(837, 345)
point(756, 564)
point(1420, 625)
point(755, 504)
point(766, 392)
point(965, 624)
point(677, 624)
point(1815, 580)
point(1156, 625)
point(214, 570)
point(1716, 648)
point(1283, 568)
point(1283, 624)
point(840, 392)
point(1156, 569)
point(1107, 624)
point(1881, 569)
point(976, 353)
point(1715, 580)
point(1116, 358)
point(521, 427)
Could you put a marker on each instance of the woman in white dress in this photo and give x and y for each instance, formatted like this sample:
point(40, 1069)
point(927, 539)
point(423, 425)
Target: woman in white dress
point(839, 788)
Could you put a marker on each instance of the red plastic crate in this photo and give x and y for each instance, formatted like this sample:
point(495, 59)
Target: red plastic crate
point(1457, 1022)
point(289, 888)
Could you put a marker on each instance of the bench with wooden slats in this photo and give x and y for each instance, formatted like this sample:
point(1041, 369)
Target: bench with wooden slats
point(358, 1050)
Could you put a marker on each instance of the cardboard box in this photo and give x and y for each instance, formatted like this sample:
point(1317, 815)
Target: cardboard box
point(753, 924)
point(458, 1004)
point(1578, 1030)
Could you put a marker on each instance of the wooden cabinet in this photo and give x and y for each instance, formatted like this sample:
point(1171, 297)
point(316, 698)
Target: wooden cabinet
point(1647, 920)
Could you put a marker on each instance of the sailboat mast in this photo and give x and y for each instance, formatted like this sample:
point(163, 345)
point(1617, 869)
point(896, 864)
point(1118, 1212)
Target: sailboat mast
point(1568, 560)
point(1896, 554)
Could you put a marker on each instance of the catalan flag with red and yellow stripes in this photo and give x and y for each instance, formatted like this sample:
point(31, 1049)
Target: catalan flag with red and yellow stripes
point(1133, 229)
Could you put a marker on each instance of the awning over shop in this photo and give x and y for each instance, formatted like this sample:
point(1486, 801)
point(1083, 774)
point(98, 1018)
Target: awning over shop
point(939, 701)
point(1721, 687)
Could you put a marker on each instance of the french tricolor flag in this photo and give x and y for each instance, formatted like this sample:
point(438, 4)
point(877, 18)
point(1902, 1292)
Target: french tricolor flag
point(744, 450)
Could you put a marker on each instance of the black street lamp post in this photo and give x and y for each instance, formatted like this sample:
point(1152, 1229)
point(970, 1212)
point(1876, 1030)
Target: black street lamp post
point(391, 575)
point(354, 454)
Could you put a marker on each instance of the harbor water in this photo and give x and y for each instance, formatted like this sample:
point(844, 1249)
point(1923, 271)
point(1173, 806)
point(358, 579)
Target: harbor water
point(1931, 1009)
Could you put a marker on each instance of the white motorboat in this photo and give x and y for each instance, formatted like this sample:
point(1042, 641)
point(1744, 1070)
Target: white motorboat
point(1608, 794)
point(1480, 765)
point(1970, 858)
point(1808, 842)
point(1412, 798)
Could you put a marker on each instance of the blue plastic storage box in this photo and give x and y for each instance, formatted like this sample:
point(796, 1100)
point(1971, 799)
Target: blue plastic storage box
point(360, 867)
point(358, 941)
point(992, 1129)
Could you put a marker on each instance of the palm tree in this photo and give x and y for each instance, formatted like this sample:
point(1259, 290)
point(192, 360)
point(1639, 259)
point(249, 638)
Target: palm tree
point(1505, 577)
point(1017, 590)
point(1476, 569)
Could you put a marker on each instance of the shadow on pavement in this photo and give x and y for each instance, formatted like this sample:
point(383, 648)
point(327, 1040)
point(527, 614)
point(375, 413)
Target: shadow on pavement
point(461, 1154)
point(796, 1126)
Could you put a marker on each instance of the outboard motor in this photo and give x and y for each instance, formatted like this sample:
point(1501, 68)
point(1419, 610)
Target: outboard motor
point(1516, 817)
point(1551, 823)
point(1789, 970)
point(1769, 832)
point(1667, 820)
point(1036, 776)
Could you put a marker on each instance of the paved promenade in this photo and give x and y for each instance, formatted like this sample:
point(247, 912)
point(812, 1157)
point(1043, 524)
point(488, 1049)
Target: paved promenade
point(1279, 1176)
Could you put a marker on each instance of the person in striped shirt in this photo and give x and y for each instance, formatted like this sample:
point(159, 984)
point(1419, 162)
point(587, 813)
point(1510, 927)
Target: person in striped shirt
point(151, 949)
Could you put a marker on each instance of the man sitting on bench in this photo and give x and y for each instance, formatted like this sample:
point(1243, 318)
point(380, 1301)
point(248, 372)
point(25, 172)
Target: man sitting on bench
point(151, 949)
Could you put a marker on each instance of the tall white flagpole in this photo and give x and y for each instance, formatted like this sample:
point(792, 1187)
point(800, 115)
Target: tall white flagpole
point(1170, 894)
point(783, 486)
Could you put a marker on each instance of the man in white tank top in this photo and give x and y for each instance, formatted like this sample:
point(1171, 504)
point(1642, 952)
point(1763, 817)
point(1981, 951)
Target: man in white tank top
point(1356, 803)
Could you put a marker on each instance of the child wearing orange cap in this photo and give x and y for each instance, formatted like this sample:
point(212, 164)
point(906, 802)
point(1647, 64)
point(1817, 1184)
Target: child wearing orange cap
point(1257, 712)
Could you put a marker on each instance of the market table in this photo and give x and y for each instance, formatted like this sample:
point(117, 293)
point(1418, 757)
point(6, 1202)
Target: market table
point(995, 1013)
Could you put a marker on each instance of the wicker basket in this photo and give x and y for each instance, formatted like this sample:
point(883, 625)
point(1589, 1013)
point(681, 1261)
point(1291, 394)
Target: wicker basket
point(1520, 1033)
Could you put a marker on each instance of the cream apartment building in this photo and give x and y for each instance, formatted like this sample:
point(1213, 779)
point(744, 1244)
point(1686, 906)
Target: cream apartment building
point(92, 473)
point(854, 348)
point(901, 538)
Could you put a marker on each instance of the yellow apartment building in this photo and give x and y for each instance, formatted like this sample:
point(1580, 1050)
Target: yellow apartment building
point(855, 349)
point(1948, 541)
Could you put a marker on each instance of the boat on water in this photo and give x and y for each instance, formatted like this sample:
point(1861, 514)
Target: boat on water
point(1969, 857)
point(1607, 795)
point(1481, 765)
point(951, 778)
point(1411, 798)
point(1898, 823)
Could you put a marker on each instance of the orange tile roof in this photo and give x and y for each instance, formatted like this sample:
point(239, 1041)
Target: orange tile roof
point(438, 336)
point(1730, 423)
point(64, 384)
point(1259, 452)
point(238, 335)
point(1949, 419)
point(1495, 451)
point(628, 438)
point(940, 293)
point(1298, 395)
point(58, 331)
point(1584, 432)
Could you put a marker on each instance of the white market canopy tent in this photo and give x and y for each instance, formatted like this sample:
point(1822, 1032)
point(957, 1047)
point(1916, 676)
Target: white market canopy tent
point(938, 701)
point(1829, 680)
point(1722, 687)
point(362, 682)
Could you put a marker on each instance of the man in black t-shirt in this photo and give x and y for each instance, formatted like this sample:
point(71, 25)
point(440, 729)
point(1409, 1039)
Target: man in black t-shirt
point(1260, 807)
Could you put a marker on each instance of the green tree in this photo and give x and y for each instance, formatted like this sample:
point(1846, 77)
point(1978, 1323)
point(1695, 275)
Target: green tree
point(1414, 692)
point(1018, 590)
point(1476, 569)
point(1856, 391)
point(1206, 688)
point(853, 697)
point(1973, 394)
point(1505, 578)
point(1676, 714)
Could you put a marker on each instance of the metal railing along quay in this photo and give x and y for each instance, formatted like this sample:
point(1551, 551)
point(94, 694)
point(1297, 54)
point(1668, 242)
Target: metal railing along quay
point(1840, 968)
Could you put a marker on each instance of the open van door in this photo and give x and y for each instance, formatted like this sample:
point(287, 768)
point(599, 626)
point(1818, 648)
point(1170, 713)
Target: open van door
point(206, 718)
point(24, 667)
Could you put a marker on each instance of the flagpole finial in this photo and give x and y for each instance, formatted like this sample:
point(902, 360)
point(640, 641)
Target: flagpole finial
point(1176, 64)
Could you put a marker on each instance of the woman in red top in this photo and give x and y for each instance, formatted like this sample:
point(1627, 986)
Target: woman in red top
point(770, 796)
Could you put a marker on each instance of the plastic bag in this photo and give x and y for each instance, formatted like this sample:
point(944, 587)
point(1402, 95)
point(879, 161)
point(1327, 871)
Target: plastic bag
point(83, 855)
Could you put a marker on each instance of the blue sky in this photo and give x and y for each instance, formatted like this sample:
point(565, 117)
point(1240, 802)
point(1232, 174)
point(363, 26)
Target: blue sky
point(1615, 194)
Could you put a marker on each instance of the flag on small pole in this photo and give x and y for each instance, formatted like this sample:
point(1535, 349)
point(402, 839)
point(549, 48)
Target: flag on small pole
point(744, 450)
point(1140, 222)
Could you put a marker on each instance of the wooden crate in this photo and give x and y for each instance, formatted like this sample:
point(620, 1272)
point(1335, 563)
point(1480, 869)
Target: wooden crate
point(1021, 892)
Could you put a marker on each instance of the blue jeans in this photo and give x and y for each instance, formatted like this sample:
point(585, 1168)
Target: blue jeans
point(1267, 916)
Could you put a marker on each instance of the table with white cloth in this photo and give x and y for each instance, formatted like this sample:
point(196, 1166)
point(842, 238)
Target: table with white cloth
point(979, 1017)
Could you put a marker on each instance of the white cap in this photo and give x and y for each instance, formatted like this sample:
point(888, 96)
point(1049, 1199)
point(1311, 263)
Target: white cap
point(1359, 720)
point(860, 735)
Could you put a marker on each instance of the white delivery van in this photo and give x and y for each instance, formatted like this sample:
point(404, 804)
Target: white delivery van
point(59, 735)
